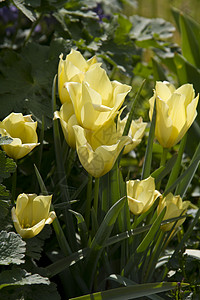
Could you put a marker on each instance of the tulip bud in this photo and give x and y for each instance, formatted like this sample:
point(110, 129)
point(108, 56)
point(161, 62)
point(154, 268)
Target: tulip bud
point(175, 207)
point(31, 214)
point(141, 195)
point(73, 69)
point(175, 112)
point(22, 129)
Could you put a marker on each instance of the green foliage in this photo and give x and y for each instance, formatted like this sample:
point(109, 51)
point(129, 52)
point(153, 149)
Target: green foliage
point(7, 166)
point(12, 248)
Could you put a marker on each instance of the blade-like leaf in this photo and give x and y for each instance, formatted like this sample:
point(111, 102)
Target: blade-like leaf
point(131, 292)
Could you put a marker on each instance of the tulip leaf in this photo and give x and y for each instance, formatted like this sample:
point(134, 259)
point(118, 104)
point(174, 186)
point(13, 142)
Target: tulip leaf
point(62, 264)
point(127, 282)
point(131, 292)
point(101, 237)
point(189, 173)
point(82, 228)
point(189, 40)
point(20, 277)
point(151, 233)
point(12, 248)
point(7, 166)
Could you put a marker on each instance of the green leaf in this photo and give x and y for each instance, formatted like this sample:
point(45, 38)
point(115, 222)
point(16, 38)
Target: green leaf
point(151, 233)
point(12, 248)
point(7, 166)
point(82, 228)
point(27, 11)
point(127, 282)
point(189, 173)
point(100, 239)
point(131, 292)
point(30, 292)
point(158, 71)
point(4, 194)
point(18, 276)
point(189, 40)
point(66, 262)
point(26, 79)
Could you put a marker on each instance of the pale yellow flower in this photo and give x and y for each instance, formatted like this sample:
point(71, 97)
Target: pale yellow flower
point(136, 132)
point(174, 208)
point(22, 129)
point(98, 150)
point(141, 195)
point(175, 111)
point(31, 214)
point(73, 68)
point(68, 120)
point(96, 100)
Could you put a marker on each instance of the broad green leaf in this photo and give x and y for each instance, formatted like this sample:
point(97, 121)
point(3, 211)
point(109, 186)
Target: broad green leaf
point(12, 248)
point(194, 253)
point(131, 292)
point(189, 41)
point(18, 276)
point(7, 166)
point(30, 292)
point(4, 194)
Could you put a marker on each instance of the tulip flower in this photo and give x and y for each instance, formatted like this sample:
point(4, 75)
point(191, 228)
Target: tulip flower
point(97, 99)
point(22, 129)
point(68, 120)
point(31, 214)
point(136, 132)
point(141, 195)
point(175, 112)
point(174, 208)
point(98, 151)
point(73, 69)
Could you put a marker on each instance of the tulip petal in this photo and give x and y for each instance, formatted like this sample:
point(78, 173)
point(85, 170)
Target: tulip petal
point(163, 91)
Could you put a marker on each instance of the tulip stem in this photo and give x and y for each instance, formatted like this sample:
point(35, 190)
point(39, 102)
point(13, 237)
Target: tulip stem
point(96, 195)
point(162, 162)
point(88, 200)
point(14, 184)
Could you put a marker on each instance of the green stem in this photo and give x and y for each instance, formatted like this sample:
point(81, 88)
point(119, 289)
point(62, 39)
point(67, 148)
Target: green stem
point(14, 184)
point(96, 195)
point(177, 165)
point(33, 28)
point(154, 256)
point(70, 161)
point(162, 162)
point(88, 200)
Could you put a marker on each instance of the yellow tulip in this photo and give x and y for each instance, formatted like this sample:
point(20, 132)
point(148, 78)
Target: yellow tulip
point(96, 151)
point(96, 100)
point(22, 129)
point(136, 132)
point(174, 208)
point(175, 112)
point(141, 195)
point(73, 69)
point(68, 120)
point(31, 214)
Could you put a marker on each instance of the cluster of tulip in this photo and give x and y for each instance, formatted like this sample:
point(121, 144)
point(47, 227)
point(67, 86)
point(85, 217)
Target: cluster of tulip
point(91, 103)
point(90, 117)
